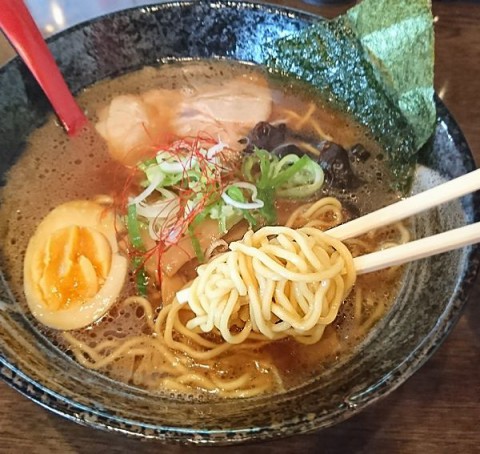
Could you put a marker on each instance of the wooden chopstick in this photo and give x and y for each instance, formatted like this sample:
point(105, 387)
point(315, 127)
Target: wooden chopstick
point(417, 249)
point(430, 198)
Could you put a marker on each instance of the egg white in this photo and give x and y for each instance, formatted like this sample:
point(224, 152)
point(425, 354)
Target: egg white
point(81, 213)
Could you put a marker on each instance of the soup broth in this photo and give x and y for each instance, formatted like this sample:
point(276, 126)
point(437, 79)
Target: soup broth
point(54, 170)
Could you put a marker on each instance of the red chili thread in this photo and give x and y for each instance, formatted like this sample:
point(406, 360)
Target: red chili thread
point(217, 179)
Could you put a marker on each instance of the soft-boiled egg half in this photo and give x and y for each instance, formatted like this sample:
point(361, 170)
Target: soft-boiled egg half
point(73, 271)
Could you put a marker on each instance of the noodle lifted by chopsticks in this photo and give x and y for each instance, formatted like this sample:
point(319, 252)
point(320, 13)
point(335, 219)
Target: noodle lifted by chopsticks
point(276, 282)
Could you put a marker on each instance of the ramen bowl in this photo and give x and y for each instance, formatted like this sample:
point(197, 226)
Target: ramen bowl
point(429, 302)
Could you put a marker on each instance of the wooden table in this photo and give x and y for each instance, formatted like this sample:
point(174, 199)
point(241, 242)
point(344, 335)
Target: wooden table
point(436, 411)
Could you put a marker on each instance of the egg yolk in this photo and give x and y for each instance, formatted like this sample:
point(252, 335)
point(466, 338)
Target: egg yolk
point(74, 265)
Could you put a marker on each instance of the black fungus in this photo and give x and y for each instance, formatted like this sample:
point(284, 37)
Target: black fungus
point(336, 164)
point(266, 136)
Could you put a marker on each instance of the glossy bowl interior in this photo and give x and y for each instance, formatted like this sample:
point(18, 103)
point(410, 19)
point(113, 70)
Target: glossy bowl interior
point(430, 300)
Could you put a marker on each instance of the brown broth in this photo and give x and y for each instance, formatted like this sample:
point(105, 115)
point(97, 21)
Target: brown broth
point(55, 169)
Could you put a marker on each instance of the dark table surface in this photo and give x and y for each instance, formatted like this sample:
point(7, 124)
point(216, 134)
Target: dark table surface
point(436, 411)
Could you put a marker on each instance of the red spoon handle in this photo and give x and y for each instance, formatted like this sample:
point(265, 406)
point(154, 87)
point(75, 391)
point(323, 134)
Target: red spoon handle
point(21, 30)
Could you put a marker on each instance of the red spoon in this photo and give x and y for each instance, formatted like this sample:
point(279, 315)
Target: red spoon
point(20, 29)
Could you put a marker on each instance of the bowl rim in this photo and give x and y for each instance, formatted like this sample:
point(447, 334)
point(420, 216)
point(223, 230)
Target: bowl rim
point(69, 408)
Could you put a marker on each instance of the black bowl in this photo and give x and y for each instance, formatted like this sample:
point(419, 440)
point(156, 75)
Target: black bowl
point(428, 305)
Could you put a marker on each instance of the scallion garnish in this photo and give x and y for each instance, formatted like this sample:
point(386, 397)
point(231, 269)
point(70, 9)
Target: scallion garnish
point(133, 228)
point(196, 244)
point(291, 176)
